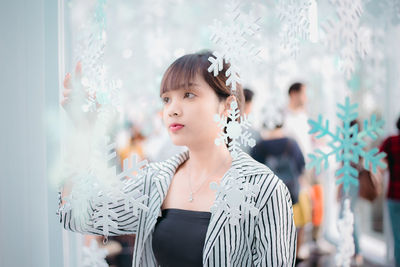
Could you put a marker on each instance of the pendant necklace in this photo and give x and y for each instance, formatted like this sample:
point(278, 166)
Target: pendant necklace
point(190, 199)
point(193, 192)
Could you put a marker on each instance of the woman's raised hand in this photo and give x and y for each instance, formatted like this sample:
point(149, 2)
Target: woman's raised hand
point(74, 97)
point(68, 84)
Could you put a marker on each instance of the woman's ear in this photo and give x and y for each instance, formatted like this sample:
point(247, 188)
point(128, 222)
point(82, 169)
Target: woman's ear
point(227, 104)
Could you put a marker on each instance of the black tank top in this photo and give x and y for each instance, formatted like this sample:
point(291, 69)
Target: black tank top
point(179, 237)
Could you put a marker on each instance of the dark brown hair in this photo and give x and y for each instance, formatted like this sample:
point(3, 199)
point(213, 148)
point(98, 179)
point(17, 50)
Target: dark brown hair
point(398, 124)
point(182, 72)
point(295, 88)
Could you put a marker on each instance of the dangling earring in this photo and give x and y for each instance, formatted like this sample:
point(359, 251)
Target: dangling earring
point(233, 133)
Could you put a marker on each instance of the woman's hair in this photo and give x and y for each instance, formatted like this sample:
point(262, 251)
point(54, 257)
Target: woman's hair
point(182, 72)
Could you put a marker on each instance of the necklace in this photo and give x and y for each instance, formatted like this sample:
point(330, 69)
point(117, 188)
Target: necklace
point(195, 191)
point(191, 190)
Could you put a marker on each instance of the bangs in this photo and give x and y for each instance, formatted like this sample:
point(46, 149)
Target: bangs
point(181, 74)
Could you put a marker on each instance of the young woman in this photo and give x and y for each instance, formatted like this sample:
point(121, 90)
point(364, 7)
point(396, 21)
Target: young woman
point(179, 229)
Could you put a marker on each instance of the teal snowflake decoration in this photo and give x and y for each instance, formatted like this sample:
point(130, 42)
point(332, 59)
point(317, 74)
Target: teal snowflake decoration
point(347, 144)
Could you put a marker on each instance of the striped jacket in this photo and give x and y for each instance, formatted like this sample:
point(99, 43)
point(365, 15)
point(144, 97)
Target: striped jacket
point(267, 238)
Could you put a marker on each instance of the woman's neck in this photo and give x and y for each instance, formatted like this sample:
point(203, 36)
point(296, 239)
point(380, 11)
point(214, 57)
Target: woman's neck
point(208, 160)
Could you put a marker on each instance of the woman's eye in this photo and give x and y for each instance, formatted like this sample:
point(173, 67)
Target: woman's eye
point(165, 100)
point(189, 95)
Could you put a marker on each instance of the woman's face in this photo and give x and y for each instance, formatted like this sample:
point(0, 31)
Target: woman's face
point(188, 114)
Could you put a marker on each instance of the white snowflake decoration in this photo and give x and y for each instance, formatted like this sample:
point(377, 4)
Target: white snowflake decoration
point(232, 45)
point(237, 200)
point(97, 181)
point(345, 34)
point(83, 190)
point(114, 187)
point(103, 155)
point(235, 131)
point(94, 256)
point(104, 185)
point(131, 167)
point(375, 67)
point(294, 15)
point(134, 200)
point(346, 242)
point(90, 50)
point(104, 217)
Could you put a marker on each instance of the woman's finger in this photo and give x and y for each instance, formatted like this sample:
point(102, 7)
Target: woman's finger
point(64, 101)
point(66, 92)
point(78, 70)
point(67, 81)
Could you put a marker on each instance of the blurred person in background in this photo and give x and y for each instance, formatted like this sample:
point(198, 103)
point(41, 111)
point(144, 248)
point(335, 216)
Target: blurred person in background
point(296, 118)
point(248, 108)
point(296, 126)
point(391, 146)
point(133, 144)
point(284, 157)
point(248, 100)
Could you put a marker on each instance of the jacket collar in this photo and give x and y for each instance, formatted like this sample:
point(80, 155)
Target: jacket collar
point(243, 163)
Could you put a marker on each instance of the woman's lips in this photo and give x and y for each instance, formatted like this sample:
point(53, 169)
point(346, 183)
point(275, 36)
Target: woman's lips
point(175, 127)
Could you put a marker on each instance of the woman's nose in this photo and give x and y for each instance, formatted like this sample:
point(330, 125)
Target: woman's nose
point(174, 109)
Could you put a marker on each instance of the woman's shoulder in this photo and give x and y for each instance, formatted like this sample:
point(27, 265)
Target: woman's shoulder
point(172, 162)
point(166, 168)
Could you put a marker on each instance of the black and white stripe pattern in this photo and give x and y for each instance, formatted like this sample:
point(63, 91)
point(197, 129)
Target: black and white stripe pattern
point(267, 239)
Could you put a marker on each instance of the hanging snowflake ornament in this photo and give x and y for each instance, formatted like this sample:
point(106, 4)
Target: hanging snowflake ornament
point(117, 189)
point(90, 51)
point(82, 192)
point(94, 256)
point(345, 35)
point(232, 47)
point(294, 17)
point(375, 67)
point(131, 167)
point(103, 185)
point(103, 216)
point(119, 183)
point(237, 197)
point(347, 144)
point(103, 160)
point(233, 133)
point(134, 201)
point(346, 242)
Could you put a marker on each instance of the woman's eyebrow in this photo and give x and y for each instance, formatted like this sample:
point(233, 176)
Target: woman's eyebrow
point(193, 85)
point(163, 94)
